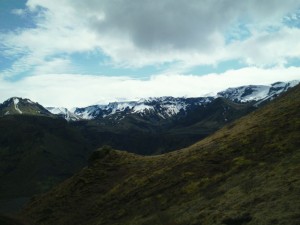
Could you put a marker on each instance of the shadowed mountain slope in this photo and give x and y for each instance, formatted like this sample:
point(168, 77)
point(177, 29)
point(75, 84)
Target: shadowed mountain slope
point(4, 220)
point(246, 173)
point(36, 153)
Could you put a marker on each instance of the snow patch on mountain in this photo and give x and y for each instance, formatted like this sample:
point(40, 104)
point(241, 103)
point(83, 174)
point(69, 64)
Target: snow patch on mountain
point(87, 115)
point(245, 93)
point(89, 112)
point(16, 102)
point(119, 106)
point(141, 108)
point(30, 102)
point(57, 111)
point(63, 112)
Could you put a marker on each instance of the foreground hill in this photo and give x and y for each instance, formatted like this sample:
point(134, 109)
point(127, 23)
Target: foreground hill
point(246, 173)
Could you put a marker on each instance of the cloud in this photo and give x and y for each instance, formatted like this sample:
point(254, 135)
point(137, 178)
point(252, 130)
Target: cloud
point(135, 33)
point(18, 12)
point(71, 90)
point(268, 49)
point(138, 33)
point(180, 24)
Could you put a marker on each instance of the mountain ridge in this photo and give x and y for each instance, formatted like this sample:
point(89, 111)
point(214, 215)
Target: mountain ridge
point(170, 106)
point(163, 107)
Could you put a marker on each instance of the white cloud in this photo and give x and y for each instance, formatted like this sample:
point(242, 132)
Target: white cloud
point(18, 12)
point(81, 90)
point(59, 31)
point(268, 48)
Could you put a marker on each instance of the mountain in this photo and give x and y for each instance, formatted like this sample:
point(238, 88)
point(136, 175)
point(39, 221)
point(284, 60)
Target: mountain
point(166, 107)
point(149, 134)
point(157, 125)
point(245, 174)
point(36, 152)
point(20, 106)
point(257, 93)
point(163, 107)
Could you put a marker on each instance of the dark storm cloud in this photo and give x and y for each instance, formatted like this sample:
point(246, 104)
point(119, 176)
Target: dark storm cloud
point(179, 24)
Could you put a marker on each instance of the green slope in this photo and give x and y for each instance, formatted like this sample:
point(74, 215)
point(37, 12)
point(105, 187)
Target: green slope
point(246, 173)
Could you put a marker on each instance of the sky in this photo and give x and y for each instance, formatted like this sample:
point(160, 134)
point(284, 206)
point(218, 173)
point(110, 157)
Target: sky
point(71, 53)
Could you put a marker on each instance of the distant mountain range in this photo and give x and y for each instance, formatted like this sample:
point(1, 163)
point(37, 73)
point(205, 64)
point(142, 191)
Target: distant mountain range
point(166, 107)
point(161, 107)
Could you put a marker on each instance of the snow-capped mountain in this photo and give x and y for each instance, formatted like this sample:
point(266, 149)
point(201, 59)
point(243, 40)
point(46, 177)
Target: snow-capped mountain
point(159, 108)
point(256, 93)
point(15, 105)
point(163, 107)
point(166, 107)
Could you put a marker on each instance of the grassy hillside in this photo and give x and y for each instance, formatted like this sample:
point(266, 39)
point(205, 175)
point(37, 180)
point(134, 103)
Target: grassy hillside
point(35, 154)
point(246, 173)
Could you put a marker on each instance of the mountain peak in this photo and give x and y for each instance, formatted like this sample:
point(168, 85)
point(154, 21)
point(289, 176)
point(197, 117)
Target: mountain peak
point(21, 99)
point(18, 106)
